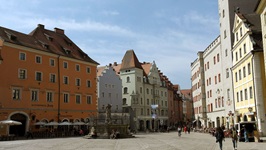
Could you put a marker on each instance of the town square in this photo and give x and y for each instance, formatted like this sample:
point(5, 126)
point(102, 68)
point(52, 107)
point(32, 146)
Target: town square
point(133, 74)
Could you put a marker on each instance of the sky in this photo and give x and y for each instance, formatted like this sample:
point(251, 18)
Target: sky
point(167, 32)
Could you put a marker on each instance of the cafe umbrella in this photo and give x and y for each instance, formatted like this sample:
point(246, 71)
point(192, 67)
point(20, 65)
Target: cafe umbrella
point(10, 122)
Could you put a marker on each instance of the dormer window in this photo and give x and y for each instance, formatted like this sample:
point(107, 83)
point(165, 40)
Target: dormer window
point(67, 51)
point(50, 38)
point(11, 36)
point(44, 45)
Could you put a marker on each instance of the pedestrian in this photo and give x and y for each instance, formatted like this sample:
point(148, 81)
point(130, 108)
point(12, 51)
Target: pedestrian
point(234, 137)
point(81, 132)
point(29, 134)
point(185, 129)
point(179, 129)
point(246, 134)
point(219, 137)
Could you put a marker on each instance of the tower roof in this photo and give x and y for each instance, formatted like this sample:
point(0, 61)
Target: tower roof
point(130, 60)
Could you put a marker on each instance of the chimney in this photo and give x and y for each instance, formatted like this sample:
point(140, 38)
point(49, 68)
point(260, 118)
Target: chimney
point(115, 63)
point(41, 26)
point(59, 31)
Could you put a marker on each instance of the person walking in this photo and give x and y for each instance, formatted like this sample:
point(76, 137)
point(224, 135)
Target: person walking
point(219, 137)
point(179, 129)
point(234, 137)
point(246, 134)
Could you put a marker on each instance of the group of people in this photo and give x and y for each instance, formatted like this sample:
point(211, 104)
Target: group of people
point(219, 134)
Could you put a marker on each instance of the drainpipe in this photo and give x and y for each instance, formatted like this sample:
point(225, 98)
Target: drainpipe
point(59, 88)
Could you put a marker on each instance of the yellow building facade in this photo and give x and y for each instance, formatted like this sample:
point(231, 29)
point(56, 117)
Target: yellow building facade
point(247, 64)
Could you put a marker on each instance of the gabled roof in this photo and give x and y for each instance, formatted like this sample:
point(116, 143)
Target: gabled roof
point(130, 60)
point(100, 70)
point(146, 68)
point(46, 40)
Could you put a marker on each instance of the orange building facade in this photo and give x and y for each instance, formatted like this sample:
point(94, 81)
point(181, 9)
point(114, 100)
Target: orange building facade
point(44, 77)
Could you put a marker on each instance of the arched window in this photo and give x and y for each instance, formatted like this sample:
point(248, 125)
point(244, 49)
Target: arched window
point(128, 79)
point(124, 101)
point(125, 90)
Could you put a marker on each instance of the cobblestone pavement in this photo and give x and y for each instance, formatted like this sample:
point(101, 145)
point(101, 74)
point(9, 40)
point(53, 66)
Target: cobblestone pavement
point(142, 141)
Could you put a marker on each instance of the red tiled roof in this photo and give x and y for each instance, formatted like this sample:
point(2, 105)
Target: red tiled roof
point(46, 40)
point(130, 60)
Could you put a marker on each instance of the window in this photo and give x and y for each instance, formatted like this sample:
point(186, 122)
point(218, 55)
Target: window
point(215, 79)
point(128, 79)
point(208, 65)
point(65, 64)
point(226, 52)
point(22, 56)
point(88, 83)
point(77, 82)
point(34, 95)
point(225, 34)
point(89, 99)
point(65, 80)
point(78, 99)
point(49, 96)
point(219, 77)
point(52, 62)
point(38, 76)
point(236, 36)
point(147, 91)
point(227, 73)
point(239, 73)
point(244, 72)
point(140, 89)
point(88, 69)
point(236, 76)
point(77, 67)
point(125, 90)
point(237, 97)
point(249, 69)
point(223, 13)
point(236, 56)
point(218, 57)
point(52, 78)
point(16, 93)
point(250, 92)
point(214, 60)
point(241, 95)
point(22, 74)
point(245, 49)
point(148, 101)
point(241, 33)
point(228, 94)
point(240, 53)
point(38, 59)
point(102, 94)
point(66, 97)
point(246, 94)
point(124, 101)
